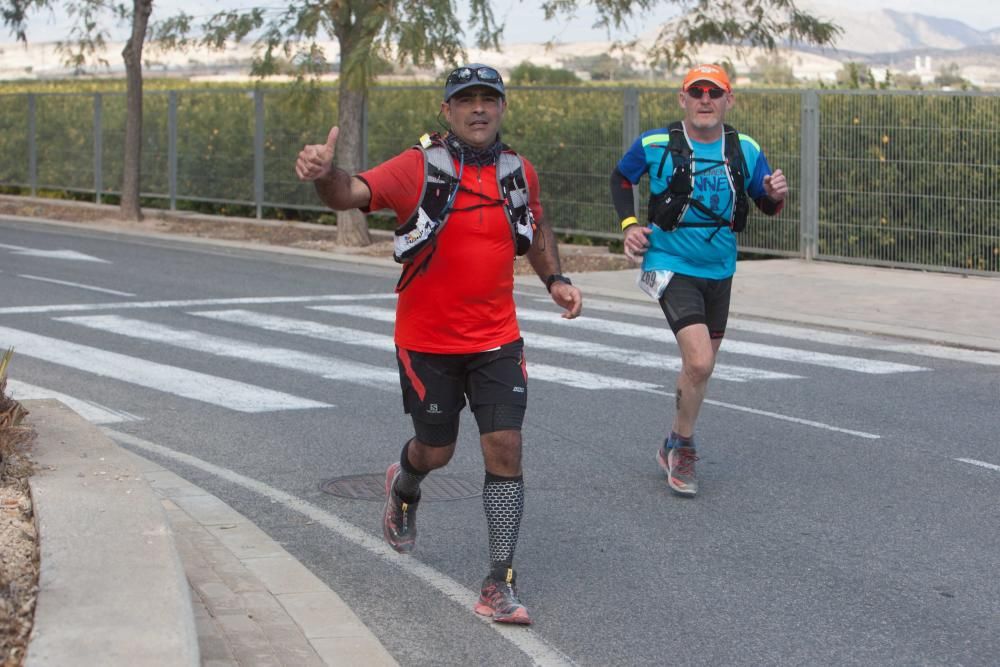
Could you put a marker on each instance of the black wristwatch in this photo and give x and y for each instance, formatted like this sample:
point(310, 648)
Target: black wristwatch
point(556, 277)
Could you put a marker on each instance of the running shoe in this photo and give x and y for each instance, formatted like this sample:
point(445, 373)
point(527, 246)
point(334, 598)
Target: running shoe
point(498, 598)
point(678, 463)
point(399, 518)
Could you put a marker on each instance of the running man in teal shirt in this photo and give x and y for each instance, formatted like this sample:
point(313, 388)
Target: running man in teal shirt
point(702, 176)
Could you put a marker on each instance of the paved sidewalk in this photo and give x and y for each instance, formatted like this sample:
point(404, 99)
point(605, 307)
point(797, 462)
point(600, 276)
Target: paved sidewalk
point(254, 604)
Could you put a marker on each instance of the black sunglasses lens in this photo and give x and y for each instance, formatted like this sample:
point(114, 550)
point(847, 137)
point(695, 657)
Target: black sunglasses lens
point(487, 74)
point(714, 93)
point(460, 75)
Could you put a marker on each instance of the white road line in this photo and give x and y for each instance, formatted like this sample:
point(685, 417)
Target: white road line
point(305, 328)
point(570, 378)
point(53, 254)
point(981, 464)
point(593, 350)
point(189, 303)
point(816, 335)
point(527, 641)
point(230, 394)
point(593, 381)
point(630, 330)
point(92, 412)
point(849, 340)
point(328, 367)
point(781, 417)
point(585, 380)
point(79, 285)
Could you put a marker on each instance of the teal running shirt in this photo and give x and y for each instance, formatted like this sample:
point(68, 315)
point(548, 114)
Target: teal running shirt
point(687, 250)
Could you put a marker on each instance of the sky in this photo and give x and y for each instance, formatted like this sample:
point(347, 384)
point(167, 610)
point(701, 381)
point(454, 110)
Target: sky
point(525, 22)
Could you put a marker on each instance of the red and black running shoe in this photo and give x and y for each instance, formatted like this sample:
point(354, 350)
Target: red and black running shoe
point(498, 598)
point(678, 463)
point(399, 518)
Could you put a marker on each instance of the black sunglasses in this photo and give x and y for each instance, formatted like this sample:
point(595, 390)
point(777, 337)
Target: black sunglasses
point(466, 74)
point(697, 91)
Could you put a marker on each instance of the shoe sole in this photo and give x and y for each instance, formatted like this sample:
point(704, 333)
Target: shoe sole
point(400, 547)
point(674, 486)
point(519, 617)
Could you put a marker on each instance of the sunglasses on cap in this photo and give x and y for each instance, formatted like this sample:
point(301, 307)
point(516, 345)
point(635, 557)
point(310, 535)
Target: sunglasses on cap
point(466, 74)
point(713, 92)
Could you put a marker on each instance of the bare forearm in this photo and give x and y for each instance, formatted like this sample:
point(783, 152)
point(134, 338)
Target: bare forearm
point(544, 252)
point(340, 191)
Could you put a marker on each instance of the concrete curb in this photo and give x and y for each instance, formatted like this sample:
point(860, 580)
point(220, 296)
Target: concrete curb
point(253, 601)
point(112, 589)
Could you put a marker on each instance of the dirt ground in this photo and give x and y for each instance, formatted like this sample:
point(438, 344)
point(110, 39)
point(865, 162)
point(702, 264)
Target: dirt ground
point(18, 539)
point(575, 258)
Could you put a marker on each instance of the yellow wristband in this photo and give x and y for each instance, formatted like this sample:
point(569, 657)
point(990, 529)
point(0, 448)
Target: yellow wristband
point(629, 221)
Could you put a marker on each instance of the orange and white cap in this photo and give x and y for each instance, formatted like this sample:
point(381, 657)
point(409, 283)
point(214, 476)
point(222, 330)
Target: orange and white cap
point(711, 73)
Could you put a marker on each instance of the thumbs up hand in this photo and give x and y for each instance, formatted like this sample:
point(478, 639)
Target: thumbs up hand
point(314, 160)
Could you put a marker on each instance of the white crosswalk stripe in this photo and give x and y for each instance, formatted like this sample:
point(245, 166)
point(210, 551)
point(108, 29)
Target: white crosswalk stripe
point(330, 368)
point(600, 351)
point(815, 335)
point(230, 394)
point(630, 330)
point(318, 330)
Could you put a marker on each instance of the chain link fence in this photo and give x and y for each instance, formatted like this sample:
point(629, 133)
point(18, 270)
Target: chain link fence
point(903, 179)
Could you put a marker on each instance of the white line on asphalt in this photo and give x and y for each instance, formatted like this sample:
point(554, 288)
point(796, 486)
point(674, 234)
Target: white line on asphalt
point(331, 368)
point(588, 349)
point(189, 303)
point(568, 377)
point(816, 335)
point(230, 394)
point(69, 284)
point(644, 332)
point(288, 325)
point(982, 464)
point(384, 315)
point(92, 412)
point(527, 641)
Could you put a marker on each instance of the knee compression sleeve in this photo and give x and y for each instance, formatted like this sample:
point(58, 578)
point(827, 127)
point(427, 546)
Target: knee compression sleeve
point(436, 435)
point(491, 418)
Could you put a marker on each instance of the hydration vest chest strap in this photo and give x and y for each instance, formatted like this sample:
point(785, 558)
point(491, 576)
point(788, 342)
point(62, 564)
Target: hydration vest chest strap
point(667, 209)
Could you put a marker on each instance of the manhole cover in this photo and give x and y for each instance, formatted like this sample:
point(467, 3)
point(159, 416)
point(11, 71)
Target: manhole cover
point(372, 487)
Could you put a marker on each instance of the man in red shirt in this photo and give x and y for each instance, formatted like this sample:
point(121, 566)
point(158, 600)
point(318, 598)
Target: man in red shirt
point(466, 205)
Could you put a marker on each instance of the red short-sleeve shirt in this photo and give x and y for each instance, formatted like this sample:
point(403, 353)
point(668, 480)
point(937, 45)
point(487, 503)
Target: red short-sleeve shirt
point(463, 301)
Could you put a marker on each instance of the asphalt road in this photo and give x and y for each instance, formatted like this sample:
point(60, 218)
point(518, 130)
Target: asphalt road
point(842, 519)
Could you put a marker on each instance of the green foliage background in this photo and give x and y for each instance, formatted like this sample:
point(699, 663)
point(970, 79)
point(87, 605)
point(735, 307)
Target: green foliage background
point(904, 179)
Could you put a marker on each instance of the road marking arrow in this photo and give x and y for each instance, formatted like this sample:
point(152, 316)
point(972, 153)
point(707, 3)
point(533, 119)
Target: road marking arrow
point(53, 254)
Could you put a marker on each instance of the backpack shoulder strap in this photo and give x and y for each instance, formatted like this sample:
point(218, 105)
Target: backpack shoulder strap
point(735, 160)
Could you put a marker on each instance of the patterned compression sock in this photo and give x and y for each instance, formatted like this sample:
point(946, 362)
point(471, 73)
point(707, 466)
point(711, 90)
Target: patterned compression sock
point(408, 483)
point(503, 501)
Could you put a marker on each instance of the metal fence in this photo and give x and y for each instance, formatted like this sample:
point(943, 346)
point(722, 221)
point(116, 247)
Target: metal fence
point(904, 179)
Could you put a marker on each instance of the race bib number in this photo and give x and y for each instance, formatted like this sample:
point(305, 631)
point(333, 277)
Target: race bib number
point(654, 282)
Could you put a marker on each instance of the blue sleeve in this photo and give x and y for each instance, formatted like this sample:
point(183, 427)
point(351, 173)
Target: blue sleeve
point(757, 167)
point(633, 164)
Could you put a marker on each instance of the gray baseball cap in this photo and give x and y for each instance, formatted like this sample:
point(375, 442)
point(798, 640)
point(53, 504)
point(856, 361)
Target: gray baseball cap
point(473, 74)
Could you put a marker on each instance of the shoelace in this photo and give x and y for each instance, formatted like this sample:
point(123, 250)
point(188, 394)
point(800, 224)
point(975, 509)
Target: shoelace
point(687, 458)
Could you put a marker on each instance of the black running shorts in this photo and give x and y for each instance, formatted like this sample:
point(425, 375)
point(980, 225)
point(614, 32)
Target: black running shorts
point(689, 300)
point(435, 386)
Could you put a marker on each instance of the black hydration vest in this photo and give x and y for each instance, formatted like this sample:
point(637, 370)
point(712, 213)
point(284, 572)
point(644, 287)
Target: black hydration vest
point(416, 239)
point(666, 209)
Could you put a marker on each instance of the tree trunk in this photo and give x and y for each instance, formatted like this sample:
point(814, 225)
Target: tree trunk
point(352, 226)
point(132, 54)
